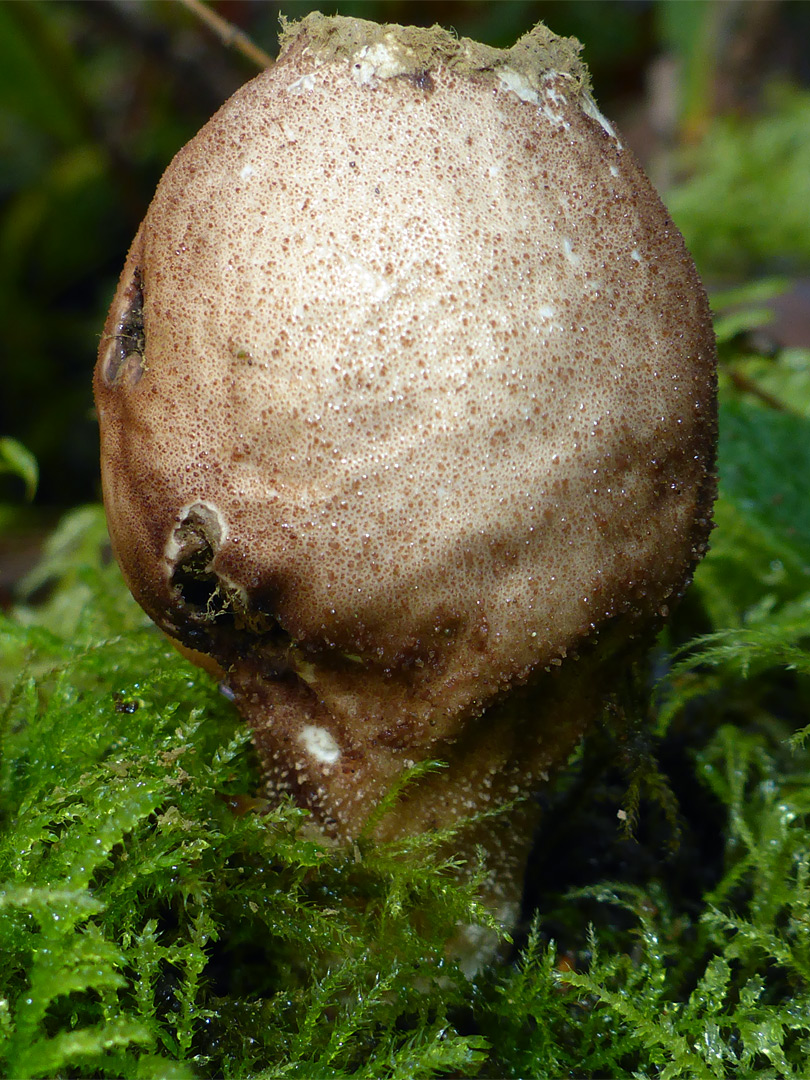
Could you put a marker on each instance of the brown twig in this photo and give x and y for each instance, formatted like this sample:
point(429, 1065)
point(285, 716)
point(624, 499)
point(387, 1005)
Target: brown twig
point(230, 36)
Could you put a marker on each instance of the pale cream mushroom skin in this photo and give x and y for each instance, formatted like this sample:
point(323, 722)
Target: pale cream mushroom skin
point(407, 416)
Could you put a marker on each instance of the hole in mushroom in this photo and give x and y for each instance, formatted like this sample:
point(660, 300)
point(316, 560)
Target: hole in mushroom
point(200, 590)
point(219, 613)
point(191, 550)
point(124, 360)
point(197, 538)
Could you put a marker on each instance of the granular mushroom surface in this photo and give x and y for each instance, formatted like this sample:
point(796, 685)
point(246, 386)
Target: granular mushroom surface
point(407, 407)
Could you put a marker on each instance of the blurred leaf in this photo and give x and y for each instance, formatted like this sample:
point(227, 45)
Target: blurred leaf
point(27, 80)
point(760, 549)
point(689, 30)
point(758, 291)
point(764, 464)
point(727, 327)
point(18, 461)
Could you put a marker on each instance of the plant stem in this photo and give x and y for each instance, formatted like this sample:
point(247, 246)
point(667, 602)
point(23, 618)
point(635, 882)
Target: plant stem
point(230, 36)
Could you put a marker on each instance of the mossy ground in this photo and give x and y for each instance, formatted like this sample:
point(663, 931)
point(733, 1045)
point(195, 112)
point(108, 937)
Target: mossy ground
point(158, 919)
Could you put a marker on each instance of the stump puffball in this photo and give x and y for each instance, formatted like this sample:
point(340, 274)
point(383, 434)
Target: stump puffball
point(407, 406)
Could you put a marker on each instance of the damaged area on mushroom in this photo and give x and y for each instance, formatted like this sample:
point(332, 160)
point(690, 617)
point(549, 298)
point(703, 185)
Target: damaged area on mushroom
point(407, 417)
point(123, 350)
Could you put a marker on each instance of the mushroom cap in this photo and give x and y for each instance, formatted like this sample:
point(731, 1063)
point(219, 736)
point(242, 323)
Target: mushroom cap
point(407, 396)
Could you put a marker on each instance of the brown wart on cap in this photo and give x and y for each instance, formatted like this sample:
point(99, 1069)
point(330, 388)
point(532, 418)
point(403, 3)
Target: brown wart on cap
point(407, 404)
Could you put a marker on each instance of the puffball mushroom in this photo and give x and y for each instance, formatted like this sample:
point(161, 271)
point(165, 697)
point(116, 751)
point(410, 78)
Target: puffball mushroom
point(407, 405)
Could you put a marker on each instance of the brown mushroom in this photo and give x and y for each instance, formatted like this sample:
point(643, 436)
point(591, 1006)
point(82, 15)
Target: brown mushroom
point(407, 405)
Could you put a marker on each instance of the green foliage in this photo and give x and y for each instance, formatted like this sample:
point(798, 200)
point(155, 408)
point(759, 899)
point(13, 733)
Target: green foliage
point(17, 461)
point(744, 205)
